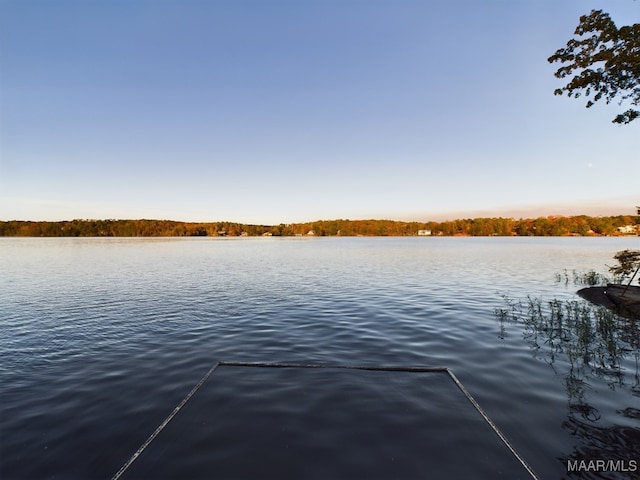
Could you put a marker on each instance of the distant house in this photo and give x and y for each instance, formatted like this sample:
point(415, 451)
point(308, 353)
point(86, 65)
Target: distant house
point(424, 233)
point(311, 233)
point(267, 234)
point(627, 230)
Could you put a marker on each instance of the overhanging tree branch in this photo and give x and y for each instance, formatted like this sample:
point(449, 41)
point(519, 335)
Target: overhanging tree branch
point(603, 63)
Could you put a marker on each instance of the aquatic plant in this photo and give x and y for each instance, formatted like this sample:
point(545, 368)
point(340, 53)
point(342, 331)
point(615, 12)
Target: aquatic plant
point(583, 344)
point(627, 267)
point(587, 346)
point(592, 340)
point(590, 278)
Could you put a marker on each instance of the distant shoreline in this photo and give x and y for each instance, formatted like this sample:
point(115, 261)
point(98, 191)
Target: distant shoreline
point(551, 226)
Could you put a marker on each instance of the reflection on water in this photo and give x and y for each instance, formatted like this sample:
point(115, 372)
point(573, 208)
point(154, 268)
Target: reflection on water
point(620, 444)
point(592, 340)
point(590, 346)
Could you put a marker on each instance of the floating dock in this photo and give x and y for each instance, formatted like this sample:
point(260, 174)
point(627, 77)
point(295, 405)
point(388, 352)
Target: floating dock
point(261, 421)
point(624, 299)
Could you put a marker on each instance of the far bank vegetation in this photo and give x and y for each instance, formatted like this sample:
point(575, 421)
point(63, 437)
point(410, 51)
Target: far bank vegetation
point(581, 225)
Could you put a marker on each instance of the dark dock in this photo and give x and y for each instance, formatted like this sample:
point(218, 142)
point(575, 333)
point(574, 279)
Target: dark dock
point(283, 421)
point(624, 299)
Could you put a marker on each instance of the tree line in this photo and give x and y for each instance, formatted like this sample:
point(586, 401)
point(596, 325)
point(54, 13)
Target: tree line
point(581, 225)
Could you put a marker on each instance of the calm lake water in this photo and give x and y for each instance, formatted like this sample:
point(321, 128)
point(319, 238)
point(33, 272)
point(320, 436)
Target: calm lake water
point(101, 338)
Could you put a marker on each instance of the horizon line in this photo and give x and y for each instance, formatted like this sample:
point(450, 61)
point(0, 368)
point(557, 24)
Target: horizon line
point(452, 219)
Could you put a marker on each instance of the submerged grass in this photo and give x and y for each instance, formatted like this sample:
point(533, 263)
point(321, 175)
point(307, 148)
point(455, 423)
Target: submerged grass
point(591, 340)
point(590, 278)
point(588, 347)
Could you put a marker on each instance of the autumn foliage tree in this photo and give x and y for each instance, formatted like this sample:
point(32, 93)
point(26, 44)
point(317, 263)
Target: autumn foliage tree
point(542, 226)
point(603, 63)
point(628, 264)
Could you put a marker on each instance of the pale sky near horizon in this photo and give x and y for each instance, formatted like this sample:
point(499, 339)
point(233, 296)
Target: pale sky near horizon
point(287, 111)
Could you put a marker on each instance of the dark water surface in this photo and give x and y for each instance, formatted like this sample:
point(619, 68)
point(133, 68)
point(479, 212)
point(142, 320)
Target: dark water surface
point(101, 338)
point(324, 423)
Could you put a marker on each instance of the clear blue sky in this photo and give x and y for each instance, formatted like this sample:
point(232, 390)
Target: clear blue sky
point(289, 111)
